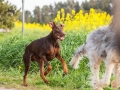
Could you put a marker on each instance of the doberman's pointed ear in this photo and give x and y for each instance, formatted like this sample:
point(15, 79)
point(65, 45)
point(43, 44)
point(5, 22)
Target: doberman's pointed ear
point(51, 24)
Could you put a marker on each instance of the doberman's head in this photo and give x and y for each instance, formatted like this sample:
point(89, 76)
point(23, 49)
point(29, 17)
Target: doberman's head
point(57, 30)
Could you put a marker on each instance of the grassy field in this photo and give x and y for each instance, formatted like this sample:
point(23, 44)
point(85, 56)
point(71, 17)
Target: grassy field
point(12, 47)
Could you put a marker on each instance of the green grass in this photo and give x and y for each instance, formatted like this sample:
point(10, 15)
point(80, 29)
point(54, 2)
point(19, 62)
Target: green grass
point(12, 47)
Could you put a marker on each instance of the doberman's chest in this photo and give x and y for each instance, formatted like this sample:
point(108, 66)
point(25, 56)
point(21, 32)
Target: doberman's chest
point(51, 53)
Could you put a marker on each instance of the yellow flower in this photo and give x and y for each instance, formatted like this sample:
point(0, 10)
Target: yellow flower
point(62, 10)
point(73, 12)
point(75, 21)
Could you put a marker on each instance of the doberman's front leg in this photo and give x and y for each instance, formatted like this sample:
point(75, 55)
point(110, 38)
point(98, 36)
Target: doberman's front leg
point(63, 63)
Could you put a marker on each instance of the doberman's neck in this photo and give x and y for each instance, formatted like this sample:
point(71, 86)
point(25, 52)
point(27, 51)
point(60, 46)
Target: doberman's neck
point(51, 37)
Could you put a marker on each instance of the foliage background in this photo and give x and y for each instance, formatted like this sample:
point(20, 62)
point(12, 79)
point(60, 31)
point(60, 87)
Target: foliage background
point(8, 14)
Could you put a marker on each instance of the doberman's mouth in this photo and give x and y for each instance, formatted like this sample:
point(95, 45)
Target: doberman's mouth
point(60, 38)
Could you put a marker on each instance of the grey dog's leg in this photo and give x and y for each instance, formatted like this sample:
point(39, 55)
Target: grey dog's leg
point(108, 71)
point(95, 66)
point(116, 83)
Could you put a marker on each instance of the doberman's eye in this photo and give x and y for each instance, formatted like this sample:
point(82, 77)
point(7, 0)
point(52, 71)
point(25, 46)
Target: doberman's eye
point(57, 30)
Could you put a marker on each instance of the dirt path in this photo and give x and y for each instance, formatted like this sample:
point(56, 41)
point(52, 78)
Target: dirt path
point(2, 88)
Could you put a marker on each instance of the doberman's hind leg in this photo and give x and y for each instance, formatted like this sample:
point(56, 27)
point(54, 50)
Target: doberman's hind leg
point(41, 65)
point(27, 60)
point(49, 68)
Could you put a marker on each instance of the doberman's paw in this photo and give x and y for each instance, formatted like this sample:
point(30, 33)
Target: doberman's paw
point(47, 82)
point(25, 85)
point(64, 74)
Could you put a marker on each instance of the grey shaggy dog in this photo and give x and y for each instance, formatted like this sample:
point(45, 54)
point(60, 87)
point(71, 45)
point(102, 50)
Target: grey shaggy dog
point(101, 44)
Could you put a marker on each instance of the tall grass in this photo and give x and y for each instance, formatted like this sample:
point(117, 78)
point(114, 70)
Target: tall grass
point(12, 48)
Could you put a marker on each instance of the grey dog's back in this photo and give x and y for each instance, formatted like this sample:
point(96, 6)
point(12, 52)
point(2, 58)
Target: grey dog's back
point(101, 40)
point(98, 43)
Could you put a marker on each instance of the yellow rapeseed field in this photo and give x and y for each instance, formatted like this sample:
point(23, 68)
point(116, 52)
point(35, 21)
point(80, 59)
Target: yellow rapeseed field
point(74, 21)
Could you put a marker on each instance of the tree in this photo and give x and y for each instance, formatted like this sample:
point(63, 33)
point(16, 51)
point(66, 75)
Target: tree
point(85, 5)
point(28, 16)
point(68, 6)
point(8, 14)
point(77, 7)
point(103, 5)
point(37, 14)
point(20, 17)
point(47, 13)
point(106, 5)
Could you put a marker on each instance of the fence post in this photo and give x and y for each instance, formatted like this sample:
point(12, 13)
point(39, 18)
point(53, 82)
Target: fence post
point(23, 19)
